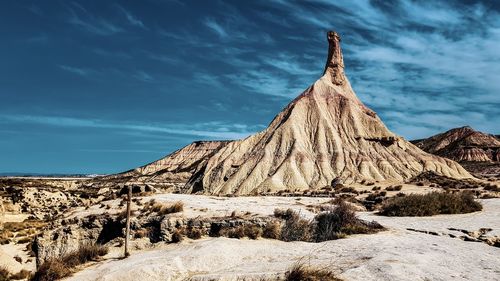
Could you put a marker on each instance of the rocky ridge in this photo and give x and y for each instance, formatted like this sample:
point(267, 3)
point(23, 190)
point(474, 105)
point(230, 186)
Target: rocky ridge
point(462, 144)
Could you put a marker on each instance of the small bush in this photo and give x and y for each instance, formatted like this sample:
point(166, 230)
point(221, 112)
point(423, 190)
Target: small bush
point(163, 208)
point(329, 224)
point(177, 237)
point(4, 273)
point(348, 190)
point(295, 228)
point(430, 204)
point(51, 269)
point(86, 252)
point(272, 230)
point(59, 267)
point(394, 188)
point(193, 233)
point(233, 232)
point(300, 272)
point(341, 221)
point(252, 231)
point(23, 274)
point(492, 187)
point(141, 233)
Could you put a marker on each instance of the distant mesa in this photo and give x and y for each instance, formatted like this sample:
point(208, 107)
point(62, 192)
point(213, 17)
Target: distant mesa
point(324, 134)
point(463, 144)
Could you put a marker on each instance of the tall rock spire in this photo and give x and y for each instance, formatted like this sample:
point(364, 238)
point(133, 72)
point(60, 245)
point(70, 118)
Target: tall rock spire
point(335, 62)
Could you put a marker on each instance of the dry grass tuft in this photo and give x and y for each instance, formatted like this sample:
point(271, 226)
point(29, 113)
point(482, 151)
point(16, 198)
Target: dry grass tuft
point(163, 208)
point(177, 237)
point(4, 273)
point(193, 233)
point(272, 230)
point(250, 231)
point(59, 267)
point(300, 272)
point(295, 228)
point(341, 221)
point(21, 275)
point(51, 269)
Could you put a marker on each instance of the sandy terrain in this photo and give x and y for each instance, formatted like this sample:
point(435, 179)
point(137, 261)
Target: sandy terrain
point(396, 254)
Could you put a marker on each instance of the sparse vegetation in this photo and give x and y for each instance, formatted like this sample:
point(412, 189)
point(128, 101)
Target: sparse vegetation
point(337, 222)
point(430, 204)
point(21, 275)
point(250, 231)
point(193, 233)
point(301, 272)
point(272, 230)
point(341, 221)
point(163, 208)
point(294, 228)
point(59, 267)
point(4, 273)
point(394, 188)
point(177, 237)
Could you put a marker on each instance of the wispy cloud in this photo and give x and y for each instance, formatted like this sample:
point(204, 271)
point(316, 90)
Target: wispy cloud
point(265, 83)
point(212, 130)
point(90, 23)
point(114, 54)
point(75, 70)
point(133, 20)
point(214, 26)
point(144, 76)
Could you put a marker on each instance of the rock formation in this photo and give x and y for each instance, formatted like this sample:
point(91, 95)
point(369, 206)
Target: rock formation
point(178, 166)
point(463, 144)
point(325, 134)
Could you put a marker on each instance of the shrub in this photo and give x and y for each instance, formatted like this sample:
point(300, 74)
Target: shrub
point(348, 190)
point(330, 224)
point(51, 269)
point(59, 267)
point(177, 237)
point(272, 230)
point(492, 187)
point(430, 204)
point(4, 273)
point(162, 208)
point(141, 233)
point(21, 275)
point(252, 231)
point(295, 228)
point(341, 221)
point(300, 272)
point(86, 252)
point(193, 233)
point(233, 232)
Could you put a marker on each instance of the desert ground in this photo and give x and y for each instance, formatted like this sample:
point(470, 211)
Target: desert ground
point(441, 247)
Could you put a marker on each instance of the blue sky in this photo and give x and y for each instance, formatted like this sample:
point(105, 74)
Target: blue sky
point(104, 86)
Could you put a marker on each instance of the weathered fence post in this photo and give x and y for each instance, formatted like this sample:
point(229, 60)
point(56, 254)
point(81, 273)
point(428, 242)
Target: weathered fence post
point(127, 229)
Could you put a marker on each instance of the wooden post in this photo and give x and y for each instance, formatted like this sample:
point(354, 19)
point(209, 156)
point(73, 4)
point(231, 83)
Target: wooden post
point(127, 229)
